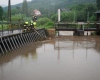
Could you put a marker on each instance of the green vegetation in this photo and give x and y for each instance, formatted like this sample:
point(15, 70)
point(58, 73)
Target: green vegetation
point(18, 17)
point(45, 23)
point(71, 10)
point(8, 26)
point(4, 27)
point(98, 4)
point(25, 7)
point(1, 13)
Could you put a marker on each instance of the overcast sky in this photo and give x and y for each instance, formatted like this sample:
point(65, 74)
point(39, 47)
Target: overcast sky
point(5, 2)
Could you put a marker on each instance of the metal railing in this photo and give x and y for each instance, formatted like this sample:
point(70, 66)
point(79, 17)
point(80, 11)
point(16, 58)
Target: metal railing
point(72, 26)
point(12, 42)
point(8, 28)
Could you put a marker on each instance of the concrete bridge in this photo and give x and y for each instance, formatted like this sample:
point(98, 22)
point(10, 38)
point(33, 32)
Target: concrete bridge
point(78, 27)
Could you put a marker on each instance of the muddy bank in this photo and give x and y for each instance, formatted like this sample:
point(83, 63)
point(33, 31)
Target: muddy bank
point(50, 32)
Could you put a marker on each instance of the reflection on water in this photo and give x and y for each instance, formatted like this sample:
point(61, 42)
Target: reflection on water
point(64, 58)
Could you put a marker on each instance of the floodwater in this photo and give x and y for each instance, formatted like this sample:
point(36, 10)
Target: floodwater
point(63, 58)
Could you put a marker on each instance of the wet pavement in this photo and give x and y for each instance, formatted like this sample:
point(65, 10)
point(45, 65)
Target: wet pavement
point(10, 32)
point(63, 58)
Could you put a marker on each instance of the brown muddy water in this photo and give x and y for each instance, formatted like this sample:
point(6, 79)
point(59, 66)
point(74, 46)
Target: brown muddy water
point(64, 58)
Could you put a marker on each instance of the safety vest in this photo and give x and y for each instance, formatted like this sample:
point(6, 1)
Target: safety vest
point(31, 23)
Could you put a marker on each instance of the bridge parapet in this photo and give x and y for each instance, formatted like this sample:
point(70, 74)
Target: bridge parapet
point(85, 26)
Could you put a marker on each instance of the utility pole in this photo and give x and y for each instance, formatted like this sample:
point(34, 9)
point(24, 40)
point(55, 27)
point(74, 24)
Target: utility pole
point(9, 11)
point(88, 17)
point(59, 15)
point(74, 20)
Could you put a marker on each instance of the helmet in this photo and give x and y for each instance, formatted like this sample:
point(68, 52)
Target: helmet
point(26, 22)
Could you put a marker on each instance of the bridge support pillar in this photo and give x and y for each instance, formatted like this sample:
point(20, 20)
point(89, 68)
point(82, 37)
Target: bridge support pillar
point(78, 33)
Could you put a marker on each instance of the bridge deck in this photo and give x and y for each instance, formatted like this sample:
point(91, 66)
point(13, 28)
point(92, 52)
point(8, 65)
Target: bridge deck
point(8, 33)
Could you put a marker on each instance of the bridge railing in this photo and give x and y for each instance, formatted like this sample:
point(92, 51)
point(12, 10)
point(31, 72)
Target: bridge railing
point(65, 25)
point(77, 25)
point(12, 42)
point(9, 27)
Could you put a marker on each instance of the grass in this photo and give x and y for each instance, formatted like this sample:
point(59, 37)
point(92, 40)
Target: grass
point(4, 27)
point(8, 27)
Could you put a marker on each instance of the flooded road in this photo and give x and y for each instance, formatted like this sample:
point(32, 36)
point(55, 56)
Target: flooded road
point(64, 58)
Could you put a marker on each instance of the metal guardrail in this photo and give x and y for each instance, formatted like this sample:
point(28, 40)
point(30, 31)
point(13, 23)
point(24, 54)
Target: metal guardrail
point(9, 27)
point(12, 42)
point(71, 26)
point(83, 23)
point(12, 22)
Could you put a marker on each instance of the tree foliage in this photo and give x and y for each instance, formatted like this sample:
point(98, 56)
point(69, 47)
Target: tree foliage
point(79, 9)
point(18, 17)
point(98, 4)
point(25, 7)
point(1, 13)
point(67, 16)
point(45, 22)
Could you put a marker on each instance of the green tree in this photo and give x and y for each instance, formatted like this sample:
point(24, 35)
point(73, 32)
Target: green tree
point(81, 16)
point(67, 16)
point(14, 11)
point(84, 11)
point(98, 4)
point(93, 18)
point(25, 7)
point(90, 8)
point(54, 17)
point(18, 8)
point(1, 13)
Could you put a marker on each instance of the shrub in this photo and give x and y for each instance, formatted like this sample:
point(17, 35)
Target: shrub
point(45, 22)
point(18, 17)
point(93, 18)
point(54, 17)
point(49, 24)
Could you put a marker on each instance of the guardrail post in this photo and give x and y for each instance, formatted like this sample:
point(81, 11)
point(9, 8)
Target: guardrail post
point(24, 36)
point(7, 44)
point(10, 43)
point(27, 37)
point(31, 36)
point(4, 45)
point(1, 49)
point(13, 42)
point(21, 40)
point(18, 40)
